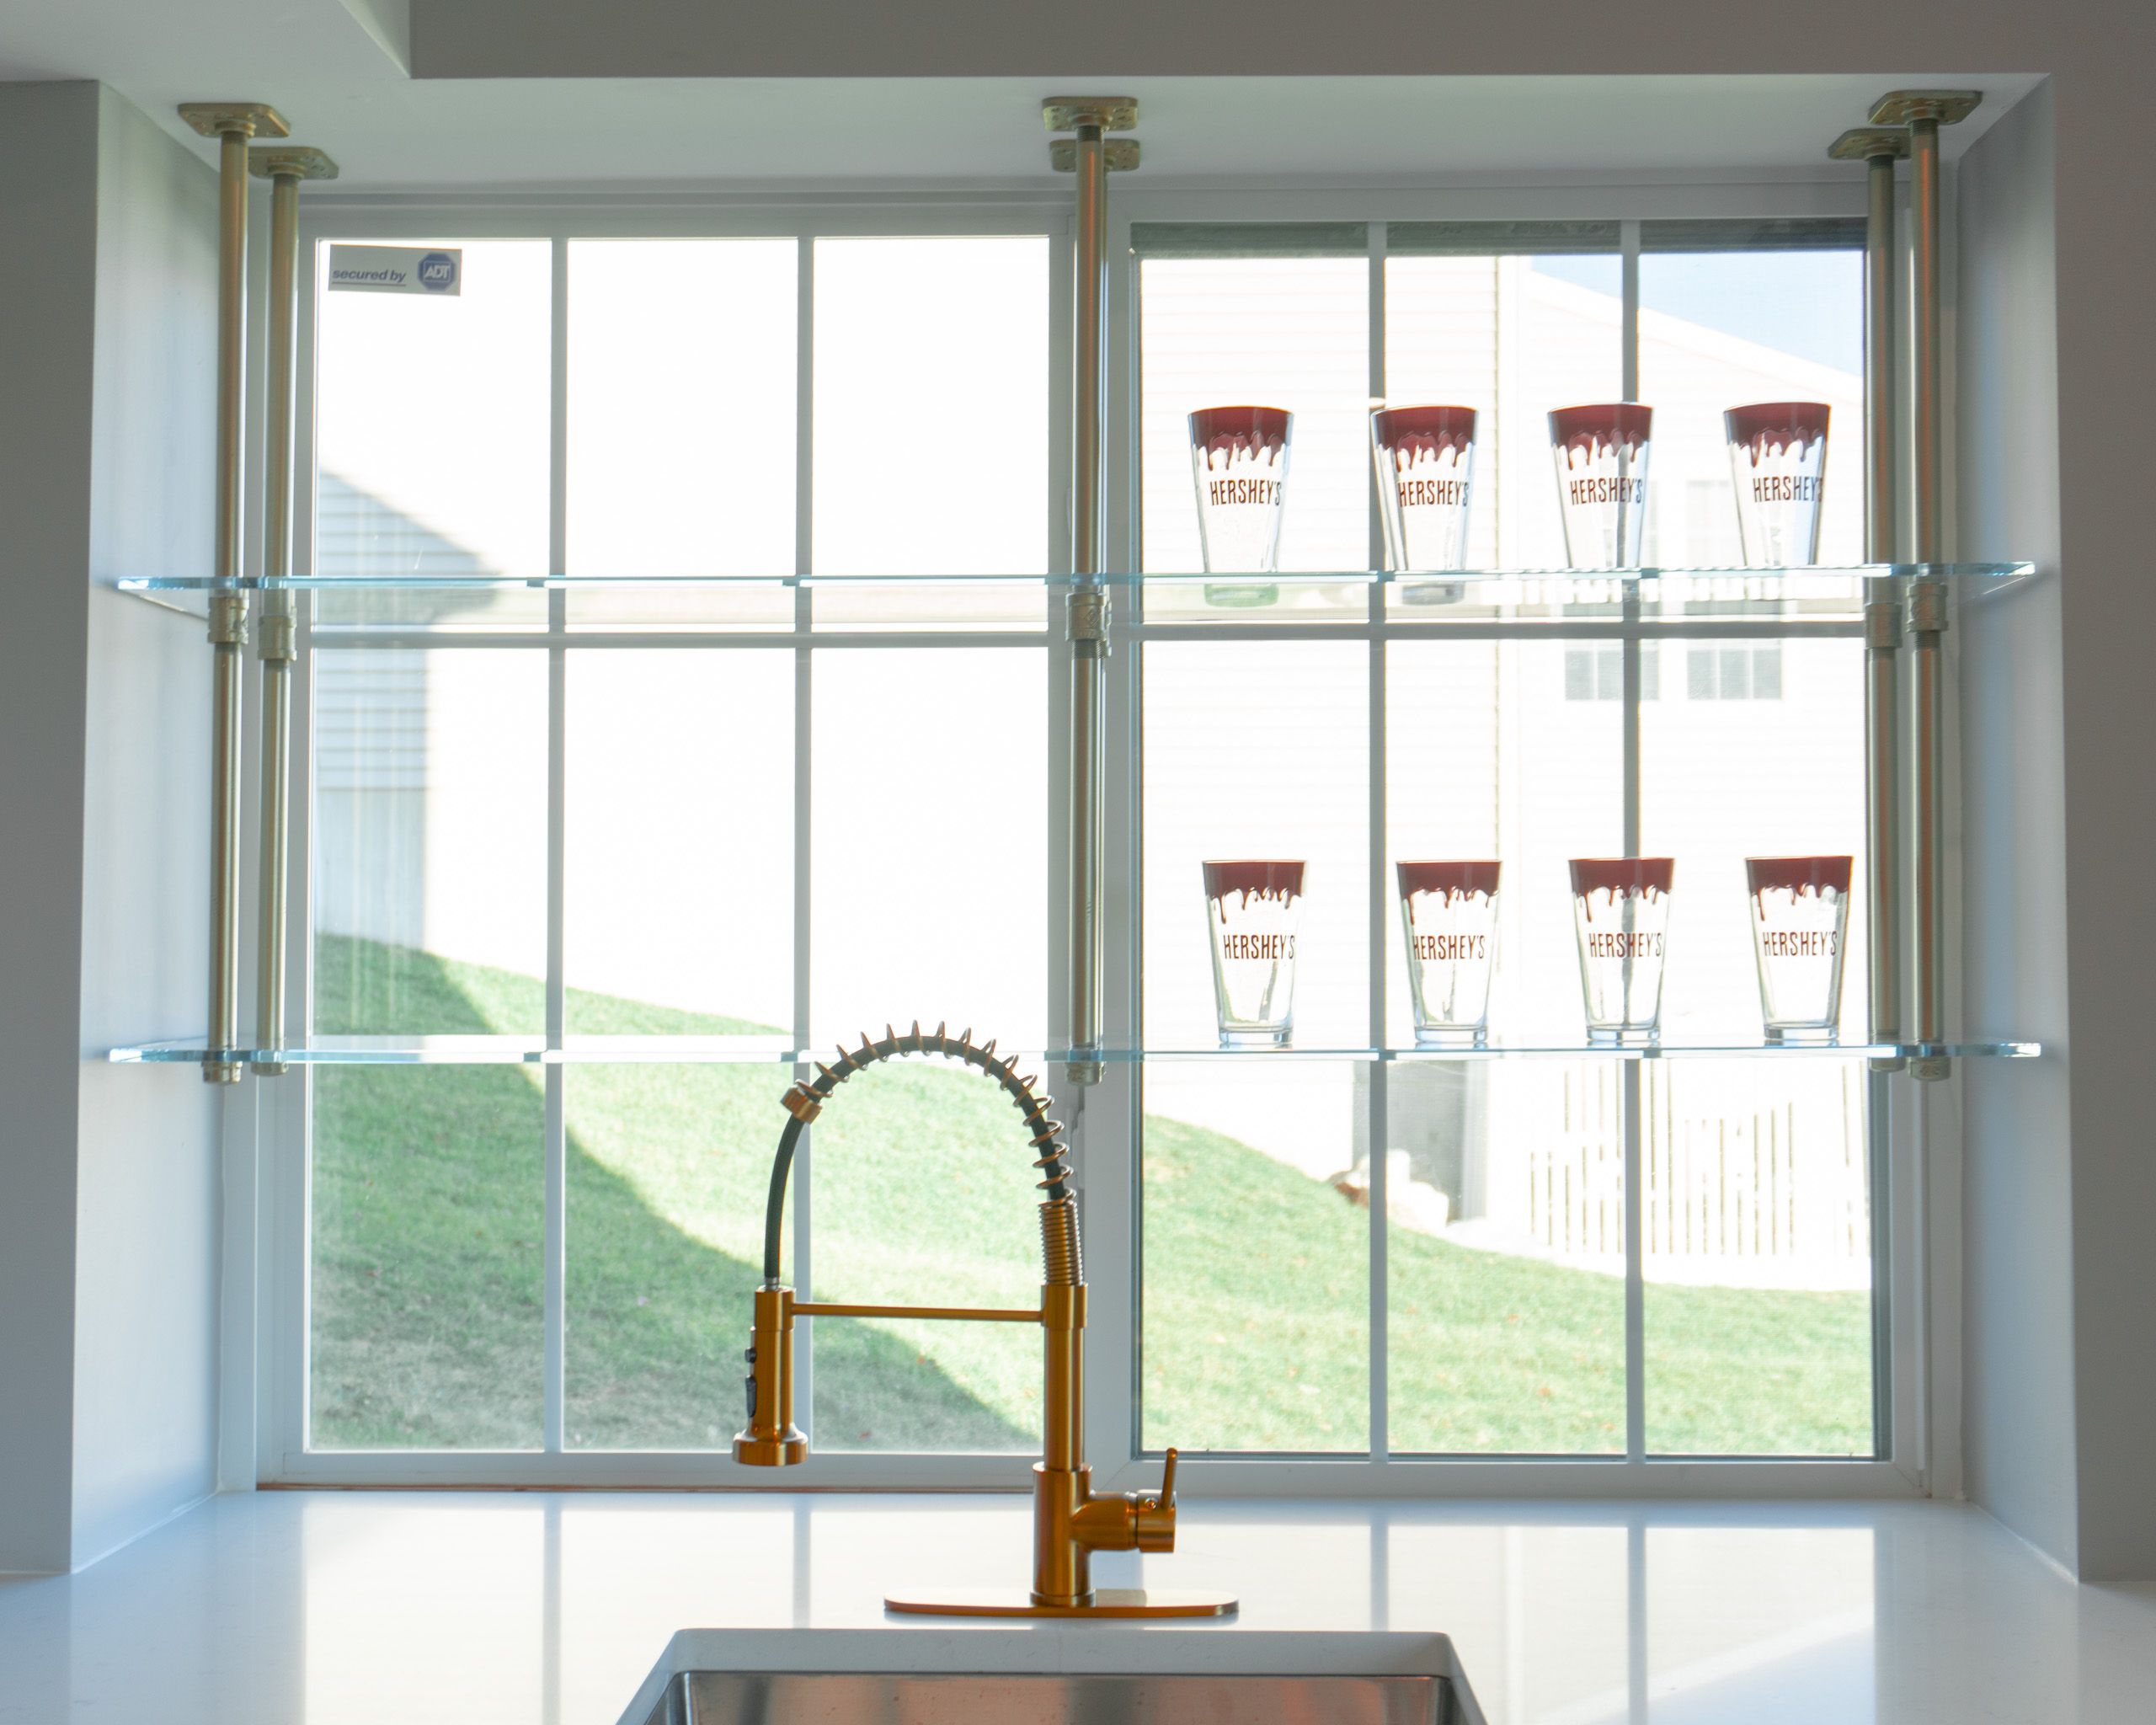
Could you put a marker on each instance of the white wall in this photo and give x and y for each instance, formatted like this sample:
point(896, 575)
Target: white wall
point(2018, 1293)
point(108, 1175)
point(147, 1202)
point(47, 251)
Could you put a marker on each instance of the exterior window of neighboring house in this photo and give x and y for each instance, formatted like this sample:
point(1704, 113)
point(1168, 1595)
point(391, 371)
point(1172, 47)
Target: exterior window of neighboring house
point(721, 828)
point(1748, 671)
point(1598, 673)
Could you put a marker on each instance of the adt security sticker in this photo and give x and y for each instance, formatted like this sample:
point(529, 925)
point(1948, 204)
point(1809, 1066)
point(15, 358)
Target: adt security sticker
point(395, 270)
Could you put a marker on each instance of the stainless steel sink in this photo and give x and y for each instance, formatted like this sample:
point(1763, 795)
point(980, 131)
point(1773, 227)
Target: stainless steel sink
point(1043, 1675)
point(951, 1698)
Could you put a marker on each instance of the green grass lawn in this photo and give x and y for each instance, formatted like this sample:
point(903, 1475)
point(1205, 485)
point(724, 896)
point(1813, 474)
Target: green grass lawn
point(428, 1214)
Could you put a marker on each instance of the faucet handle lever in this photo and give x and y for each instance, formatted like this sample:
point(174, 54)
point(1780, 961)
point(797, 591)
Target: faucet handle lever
point(1152, 1519)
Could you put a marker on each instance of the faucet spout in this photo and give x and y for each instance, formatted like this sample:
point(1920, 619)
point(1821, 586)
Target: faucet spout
point(1071, 1523)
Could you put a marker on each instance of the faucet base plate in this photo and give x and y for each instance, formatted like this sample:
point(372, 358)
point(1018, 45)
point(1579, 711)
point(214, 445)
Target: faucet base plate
point(1108, 1602)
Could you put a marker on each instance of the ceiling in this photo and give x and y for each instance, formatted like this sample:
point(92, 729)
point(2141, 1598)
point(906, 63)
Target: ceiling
point(334, 68)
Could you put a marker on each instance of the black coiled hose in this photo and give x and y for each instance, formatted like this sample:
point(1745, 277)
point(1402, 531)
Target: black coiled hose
point(804, 1101)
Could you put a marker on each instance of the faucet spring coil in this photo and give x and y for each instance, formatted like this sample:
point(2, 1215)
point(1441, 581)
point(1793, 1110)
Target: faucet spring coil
point(1063, 1261)
point(806, 1099)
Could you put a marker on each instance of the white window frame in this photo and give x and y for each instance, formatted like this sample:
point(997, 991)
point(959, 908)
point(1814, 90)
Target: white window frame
point(264, 1386)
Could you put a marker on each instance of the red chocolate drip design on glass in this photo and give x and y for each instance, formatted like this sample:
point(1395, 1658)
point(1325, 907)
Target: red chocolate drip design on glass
point(1623, 877)
point(1454, 879)
point(1254, 878)
point(1609, 425)
point(1411, 435)
point(1234, 431)
point(1799, 874)
point(1767, 426)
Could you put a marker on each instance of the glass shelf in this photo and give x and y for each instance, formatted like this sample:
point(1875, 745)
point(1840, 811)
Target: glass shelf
point(1480, 585)
point(735, 1050)
point(1561, 600)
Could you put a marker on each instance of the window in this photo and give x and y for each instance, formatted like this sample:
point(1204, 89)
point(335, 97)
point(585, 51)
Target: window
point(603, 823)
point(1499, 1326)
point(614, 827)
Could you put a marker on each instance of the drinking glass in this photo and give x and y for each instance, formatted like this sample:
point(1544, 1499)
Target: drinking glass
point(1425, 459)
point(1239, 465)
point(1799, 915)
point(1252, 907)
point(1778, 463)
point(1620, 912)
point(1448, 915)
point(1601, 452)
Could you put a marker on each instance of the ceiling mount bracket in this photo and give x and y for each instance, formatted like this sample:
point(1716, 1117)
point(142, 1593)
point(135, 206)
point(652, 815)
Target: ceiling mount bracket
point(253, 119)
point(1947, 107)
point(292, 161)
point(1865, 143)
point(1109, 113)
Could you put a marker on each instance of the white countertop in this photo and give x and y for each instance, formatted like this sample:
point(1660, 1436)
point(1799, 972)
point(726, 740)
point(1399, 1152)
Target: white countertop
point(549, 1608)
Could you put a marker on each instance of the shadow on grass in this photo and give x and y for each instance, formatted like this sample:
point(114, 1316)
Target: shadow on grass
point(429, 1230)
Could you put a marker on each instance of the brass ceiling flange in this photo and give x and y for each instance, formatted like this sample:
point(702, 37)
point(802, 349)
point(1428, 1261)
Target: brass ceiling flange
point(249, 119)
point(1865, 143)
point(1904, 107)
point(1109, 113)
point(294, 160)
point(1121, 154)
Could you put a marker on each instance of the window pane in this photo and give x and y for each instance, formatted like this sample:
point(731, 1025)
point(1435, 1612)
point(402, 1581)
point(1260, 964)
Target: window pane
point(1289, 333)
point(1258, 750)
point(1256, 1291)
point(932, 422)
point(429, 842)
point(431, 437)
point(1506, 1200)
point(428, 1212)
point(1511, 336)
point(679, 913)
point(931, 869)
point(1719, 329)
point(667, 1171)
point(1779, 777)
point(681, 373)
point(1757, 1230)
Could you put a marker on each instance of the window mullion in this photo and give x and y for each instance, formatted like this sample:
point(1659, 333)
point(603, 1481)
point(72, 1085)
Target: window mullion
point(554, 1270)
point(1634, 1075)
point(804, 602)
point(1376, 847)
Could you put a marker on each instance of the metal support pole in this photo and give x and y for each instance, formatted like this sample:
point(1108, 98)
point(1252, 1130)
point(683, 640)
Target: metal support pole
point(284, 166)
point(1923, 112)
point(1091, 156)
point(1879, 147)
point(232, 123)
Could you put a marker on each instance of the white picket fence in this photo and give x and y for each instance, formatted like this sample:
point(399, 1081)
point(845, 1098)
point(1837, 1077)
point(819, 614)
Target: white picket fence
point(1745, 1185)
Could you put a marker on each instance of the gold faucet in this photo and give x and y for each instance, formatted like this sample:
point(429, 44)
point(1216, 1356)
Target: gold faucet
point(1070, 1521)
